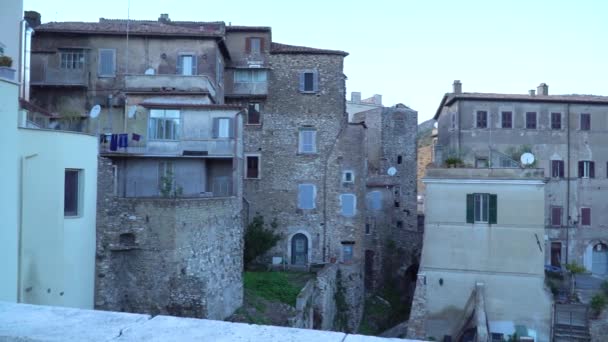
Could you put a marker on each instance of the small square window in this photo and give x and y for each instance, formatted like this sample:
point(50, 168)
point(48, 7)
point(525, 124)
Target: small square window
point(309, 81)
point(556, 120)
point(72, 192)
point(586, 169)
point(348, 177)
point(557, 168)
point(348, 205)
point(347, 252)
point(399, 224)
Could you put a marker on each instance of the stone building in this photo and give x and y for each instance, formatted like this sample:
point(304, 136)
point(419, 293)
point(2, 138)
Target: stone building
point(482, 240)
point(392, 239)
point(566, 135)
point(169, 226)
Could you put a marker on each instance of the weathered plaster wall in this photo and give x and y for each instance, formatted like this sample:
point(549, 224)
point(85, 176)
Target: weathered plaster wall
point(190, 249)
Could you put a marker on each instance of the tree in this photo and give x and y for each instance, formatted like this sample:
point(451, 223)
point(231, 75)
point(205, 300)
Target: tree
point(259, 239)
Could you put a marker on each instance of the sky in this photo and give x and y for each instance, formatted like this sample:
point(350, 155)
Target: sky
point(409, 51)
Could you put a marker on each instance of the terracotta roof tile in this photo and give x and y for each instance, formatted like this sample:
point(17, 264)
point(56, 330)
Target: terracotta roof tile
point(236, 28)
point(137, 27)
point(293, 49)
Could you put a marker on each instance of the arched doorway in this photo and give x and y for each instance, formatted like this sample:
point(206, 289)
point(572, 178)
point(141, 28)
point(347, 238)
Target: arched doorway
point(599, 259)
point(299, 249)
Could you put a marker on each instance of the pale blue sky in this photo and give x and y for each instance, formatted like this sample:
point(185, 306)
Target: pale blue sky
point(411, 51)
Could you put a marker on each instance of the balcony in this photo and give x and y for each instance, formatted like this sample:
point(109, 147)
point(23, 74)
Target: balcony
point(250, 88)
point(44, 76)
point(172, 148)
point(198, 83)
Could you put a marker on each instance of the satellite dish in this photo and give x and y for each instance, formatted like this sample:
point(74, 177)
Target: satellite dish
point(527, 158)
point(150, 71)
point(95, 111)
point(132, 111)
point(391, 171)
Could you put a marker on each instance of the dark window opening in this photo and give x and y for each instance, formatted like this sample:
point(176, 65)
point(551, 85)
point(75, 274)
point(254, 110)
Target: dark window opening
point(253, 167)
point(127, 239)
point(507, 119)
point(556, 254)
point(557, 168)
point(399, 159)
point(482, 119)
point(308, 81)
point(71, 187)
point(556, 120)
point(253, 113)
point(368, 228)
point(399, 224)
point(397, 204)
point(586, 169)
point(586, 216)
point(556, 216)
point(585, 122)
point(531, 120)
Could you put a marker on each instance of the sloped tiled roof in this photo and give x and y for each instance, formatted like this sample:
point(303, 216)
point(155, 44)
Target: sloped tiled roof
point(236, 28)
point(450, 98)
point(137, 27)
point(294, 49)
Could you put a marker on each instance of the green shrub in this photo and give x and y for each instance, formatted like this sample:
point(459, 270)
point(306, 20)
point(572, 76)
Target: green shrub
point(598, 303)
point(575, 268)
point(453, 161)
point(259, 239)
point(6, 61)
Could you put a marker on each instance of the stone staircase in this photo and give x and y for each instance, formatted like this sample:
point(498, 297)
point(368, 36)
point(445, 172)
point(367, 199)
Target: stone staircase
point(571, 323)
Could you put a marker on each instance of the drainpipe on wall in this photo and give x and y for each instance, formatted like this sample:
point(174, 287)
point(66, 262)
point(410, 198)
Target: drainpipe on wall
point(568, 184)
point(20, 224)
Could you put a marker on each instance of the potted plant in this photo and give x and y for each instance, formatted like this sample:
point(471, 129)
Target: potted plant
point(5, 68)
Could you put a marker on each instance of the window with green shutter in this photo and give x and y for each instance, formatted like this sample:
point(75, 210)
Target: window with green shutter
point(482, 208)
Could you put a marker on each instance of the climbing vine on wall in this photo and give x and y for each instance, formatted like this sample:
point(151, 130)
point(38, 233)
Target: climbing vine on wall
point(341, 317)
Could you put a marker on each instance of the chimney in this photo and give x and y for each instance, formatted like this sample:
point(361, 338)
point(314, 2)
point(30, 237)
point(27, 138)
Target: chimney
point(32, 18)
point(164, 17)
point(542, 89)
point(377, 99)
point(457, 87)
point(531, 92)
point(355, 97)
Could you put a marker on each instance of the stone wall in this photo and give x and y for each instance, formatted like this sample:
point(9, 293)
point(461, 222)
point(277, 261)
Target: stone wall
point(168, 256)
point(416, 327)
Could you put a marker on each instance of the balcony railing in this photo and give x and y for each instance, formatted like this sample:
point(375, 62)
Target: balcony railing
point(59, 77)
point(179, 82)
point(186, 147)
point(250, 88)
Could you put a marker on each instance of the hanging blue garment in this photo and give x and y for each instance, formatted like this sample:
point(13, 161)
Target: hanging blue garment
point(123, 140)
point(114, 142)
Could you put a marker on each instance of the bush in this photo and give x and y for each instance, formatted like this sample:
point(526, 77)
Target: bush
point(259, 239)
point(598, 303)
point(453, 161)
point(575, 268)
point(6, 61)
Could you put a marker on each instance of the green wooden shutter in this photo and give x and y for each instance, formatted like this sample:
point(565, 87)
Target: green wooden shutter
point(493, 209)
point(470, 206)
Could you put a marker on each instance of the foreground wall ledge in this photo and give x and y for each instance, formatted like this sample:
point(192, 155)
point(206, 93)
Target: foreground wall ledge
point(24, 322)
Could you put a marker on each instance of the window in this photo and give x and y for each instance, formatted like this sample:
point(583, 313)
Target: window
point(164, 124)
point(249, 76)
point(482, 119)
point(72, 59)
point(370, 222)
point(253, 166)
point(374, 200)
point(347, 252)
point(307, 194)
point(107, 62)
point(585, 123)
point(222, 128)
point(586, 169)
point(368, 228)
point(481, 163)
point(186, 65)
point(531, 120)
point(556, 216)
point(348, 177)
point(399, 159)
point(482, 208)
point(309, 81)
point(557, 168)
point(308, 141)
point(585, 216)
point(399, 224)
point(348, 205)
point(507, 120)
point(556, 120)
point(253, 113)
point(453, 120)
point(71, 194)
point(254, 45)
